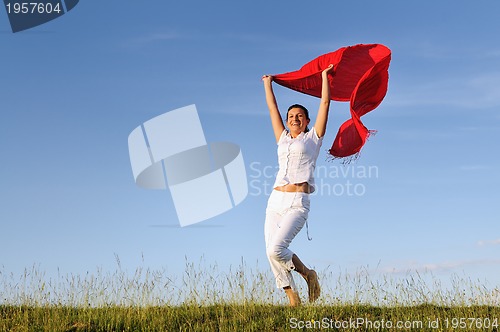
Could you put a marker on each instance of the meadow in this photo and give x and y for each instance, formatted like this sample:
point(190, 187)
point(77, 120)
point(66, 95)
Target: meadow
point(209, 298)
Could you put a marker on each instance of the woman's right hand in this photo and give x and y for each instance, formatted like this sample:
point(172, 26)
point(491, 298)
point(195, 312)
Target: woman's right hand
point(267, 79)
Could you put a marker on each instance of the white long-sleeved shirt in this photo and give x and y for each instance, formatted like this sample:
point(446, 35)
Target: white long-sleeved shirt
point(297, 158)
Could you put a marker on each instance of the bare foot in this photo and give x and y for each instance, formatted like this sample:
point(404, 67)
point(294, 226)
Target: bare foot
point(293, 296)
point(313, 285)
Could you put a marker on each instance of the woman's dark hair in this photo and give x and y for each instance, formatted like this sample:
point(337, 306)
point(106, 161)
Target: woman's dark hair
point(302, 108)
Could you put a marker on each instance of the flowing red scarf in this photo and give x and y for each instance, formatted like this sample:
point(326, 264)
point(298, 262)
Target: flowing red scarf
point(360, 76)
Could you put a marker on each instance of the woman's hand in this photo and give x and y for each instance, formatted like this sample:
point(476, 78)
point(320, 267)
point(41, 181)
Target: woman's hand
point(267, 79)
point(328, 69)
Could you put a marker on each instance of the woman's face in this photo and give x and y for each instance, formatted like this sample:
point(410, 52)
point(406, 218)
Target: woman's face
point(297, 121)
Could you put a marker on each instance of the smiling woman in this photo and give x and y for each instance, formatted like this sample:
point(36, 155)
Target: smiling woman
point(288, 205)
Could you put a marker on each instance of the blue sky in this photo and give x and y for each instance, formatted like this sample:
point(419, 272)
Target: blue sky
point(73, 89)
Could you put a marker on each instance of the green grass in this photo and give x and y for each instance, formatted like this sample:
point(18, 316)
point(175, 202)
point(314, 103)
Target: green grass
point(250, 317)
point(207, 298)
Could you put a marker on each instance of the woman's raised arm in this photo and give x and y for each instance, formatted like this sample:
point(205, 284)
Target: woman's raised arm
point(274, 113)
point(324, 106)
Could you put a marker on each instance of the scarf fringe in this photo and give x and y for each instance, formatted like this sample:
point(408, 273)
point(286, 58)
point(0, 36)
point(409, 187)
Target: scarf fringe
point(352, 158)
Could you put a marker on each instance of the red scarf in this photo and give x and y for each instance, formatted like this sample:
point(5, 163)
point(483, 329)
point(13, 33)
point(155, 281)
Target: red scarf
point(360, 76)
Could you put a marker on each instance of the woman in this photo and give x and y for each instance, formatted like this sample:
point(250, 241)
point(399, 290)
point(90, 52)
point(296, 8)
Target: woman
point(288, 205)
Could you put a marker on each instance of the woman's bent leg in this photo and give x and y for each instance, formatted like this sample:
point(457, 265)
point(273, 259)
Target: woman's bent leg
point(310, 276)
point(281, 230)
point(286, 214)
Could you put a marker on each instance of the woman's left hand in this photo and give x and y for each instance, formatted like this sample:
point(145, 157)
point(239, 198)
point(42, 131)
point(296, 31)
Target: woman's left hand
point(327, 70)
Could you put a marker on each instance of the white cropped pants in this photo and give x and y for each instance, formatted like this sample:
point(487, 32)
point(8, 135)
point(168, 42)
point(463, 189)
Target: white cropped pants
point(286, 214)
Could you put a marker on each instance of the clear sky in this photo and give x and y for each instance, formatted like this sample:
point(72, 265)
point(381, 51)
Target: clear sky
point(73, 89)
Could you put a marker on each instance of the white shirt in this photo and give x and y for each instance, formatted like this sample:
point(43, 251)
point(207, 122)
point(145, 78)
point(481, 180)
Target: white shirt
point(297, 158)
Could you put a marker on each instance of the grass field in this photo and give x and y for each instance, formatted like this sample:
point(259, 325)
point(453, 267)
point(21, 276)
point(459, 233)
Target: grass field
point(205, 298)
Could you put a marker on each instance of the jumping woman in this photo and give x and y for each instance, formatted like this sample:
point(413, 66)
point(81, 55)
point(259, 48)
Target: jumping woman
point(288, 205)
